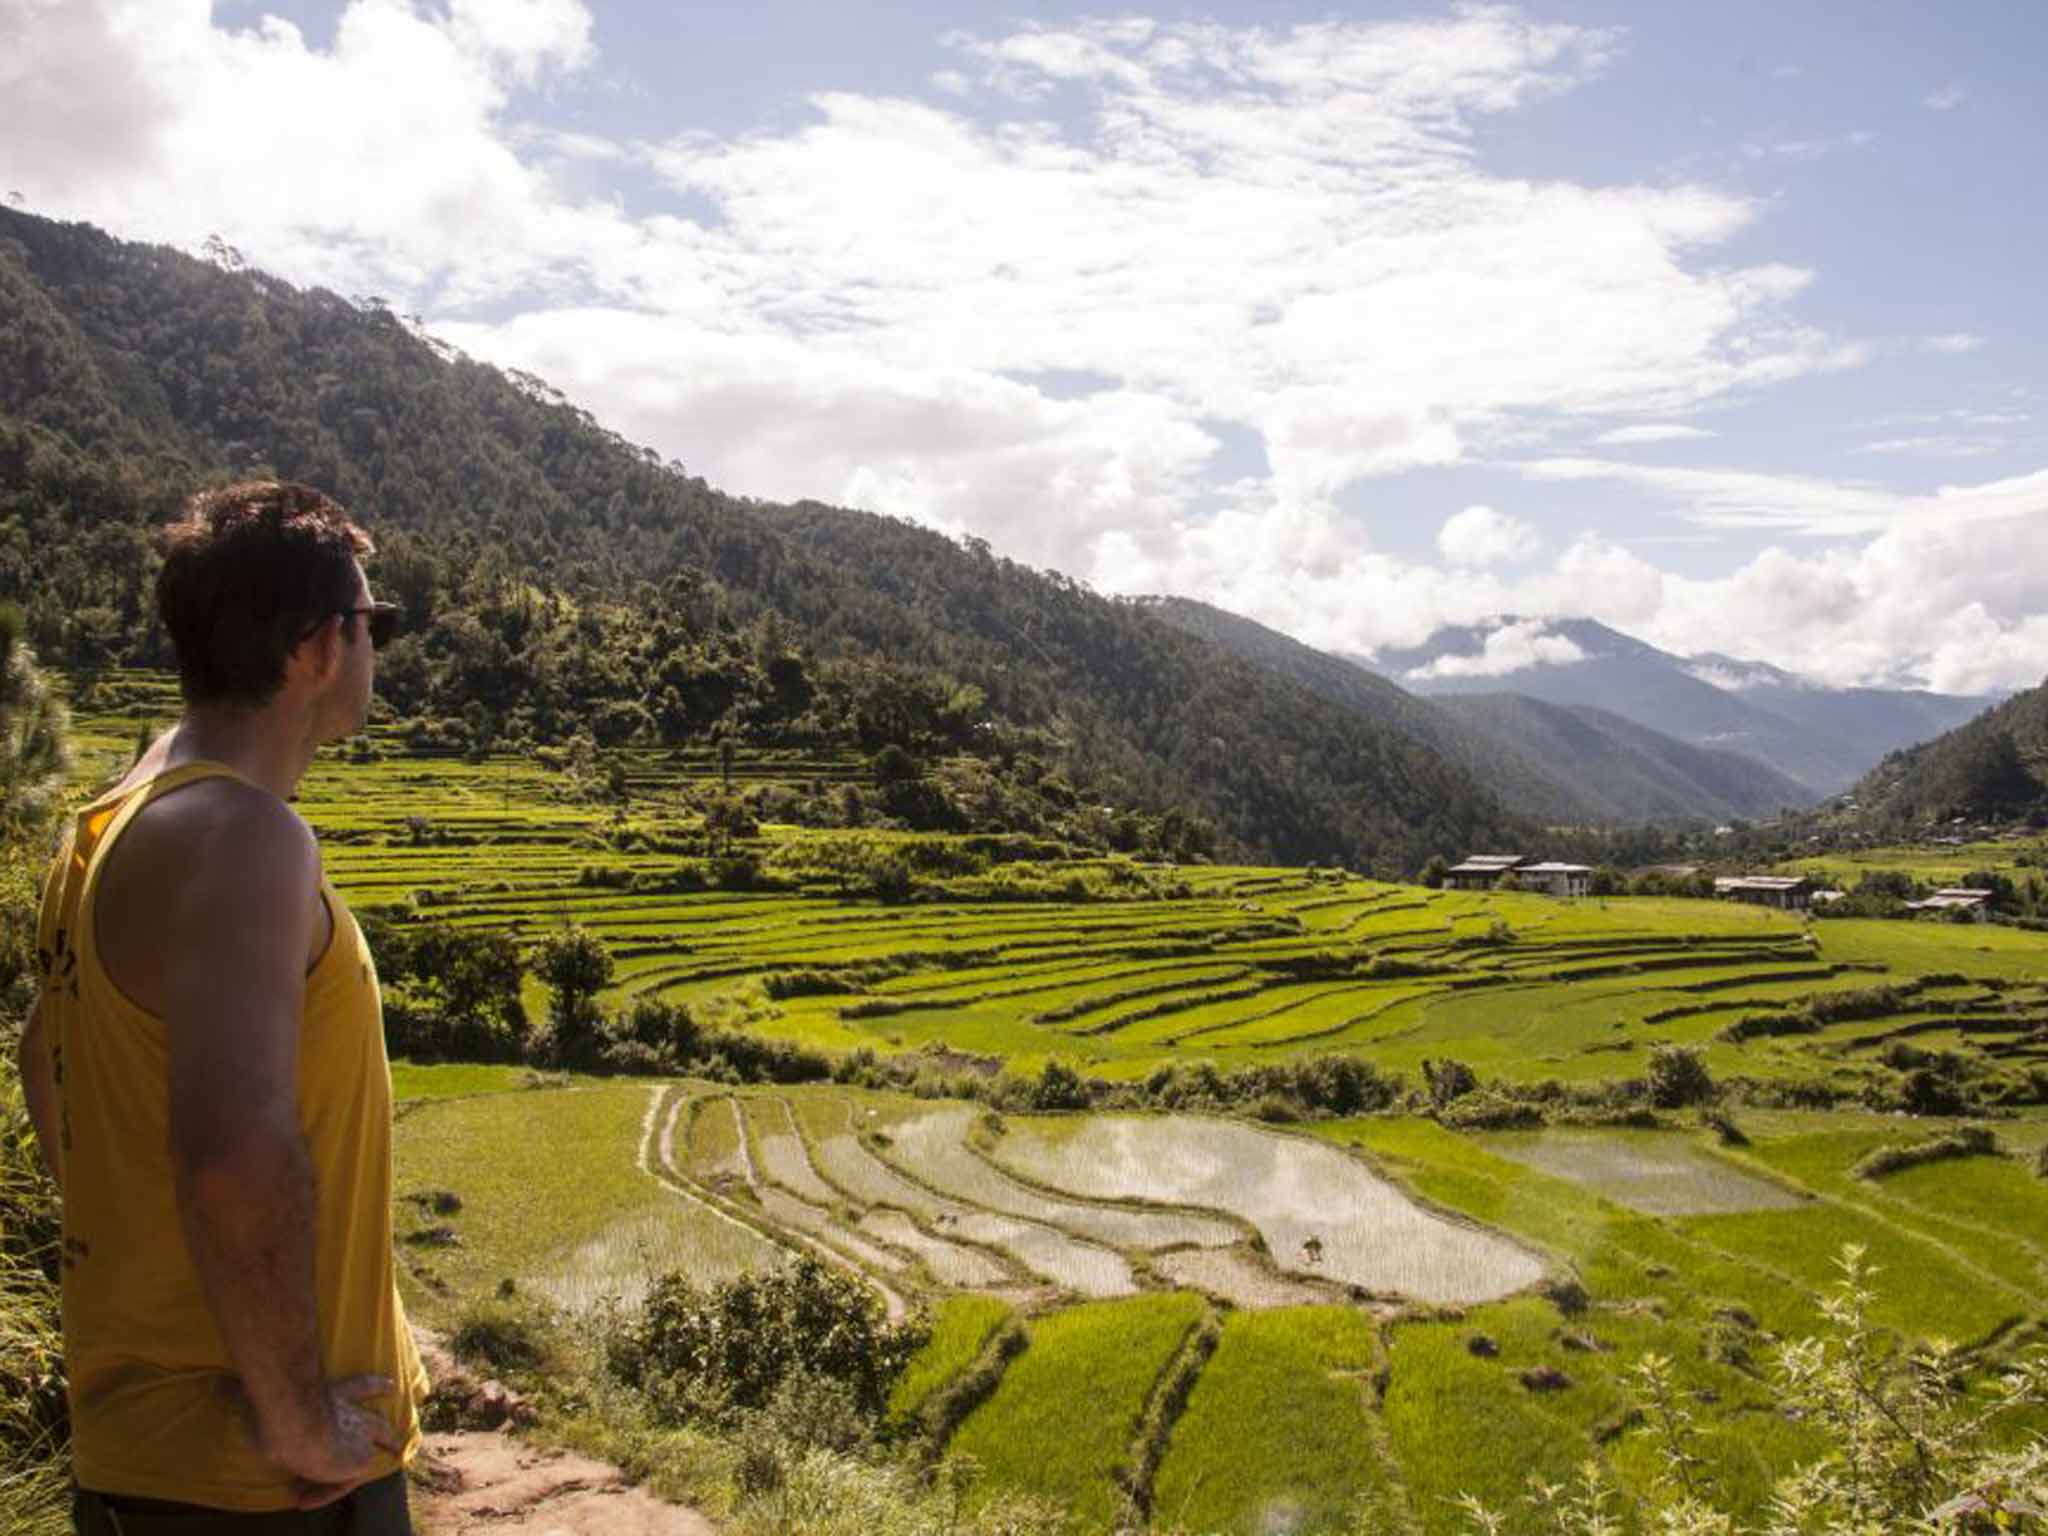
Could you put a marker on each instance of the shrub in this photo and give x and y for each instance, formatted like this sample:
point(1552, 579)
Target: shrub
point(1059, 1086)
point(1968, 1141)
point(720, 1353)
point(1448, 1080)
point(1678, 1076)
point(508, 1335)
point(1489, 1109)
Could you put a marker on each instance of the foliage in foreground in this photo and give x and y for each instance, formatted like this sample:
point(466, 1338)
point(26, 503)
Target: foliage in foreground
point(788, 1339)
point(1913, 1444)
point(34, 757)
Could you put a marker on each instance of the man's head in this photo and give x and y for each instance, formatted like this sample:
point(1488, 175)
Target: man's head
point(262, 584)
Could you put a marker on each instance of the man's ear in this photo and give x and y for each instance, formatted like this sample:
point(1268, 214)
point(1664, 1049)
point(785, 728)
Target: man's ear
point(317, 658)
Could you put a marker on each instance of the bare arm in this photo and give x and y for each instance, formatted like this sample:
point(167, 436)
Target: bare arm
point(39, 1087)
point(239, 926)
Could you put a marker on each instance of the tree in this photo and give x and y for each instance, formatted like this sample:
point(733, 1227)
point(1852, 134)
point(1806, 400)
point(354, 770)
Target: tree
point(35, 756)
point(1679, 1076)
point(1059, 1086)
point(575, 966)
point(893, 765)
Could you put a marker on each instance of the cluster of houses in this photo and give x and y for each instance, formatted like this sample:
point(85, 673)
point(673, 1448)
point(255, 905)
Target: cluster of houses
point(1788, 893)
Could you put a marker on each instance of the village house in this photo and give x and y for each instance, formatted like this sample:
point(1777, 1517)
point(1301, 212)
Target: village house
point(1789, 893)
point(1556, 879)
point(1482, 871)
point(1956, 898)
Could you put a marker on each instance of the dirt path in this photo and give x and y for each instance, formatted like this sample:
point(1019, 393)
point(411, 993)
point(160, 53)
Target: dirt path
point(486, 1480)
point(480, 1481)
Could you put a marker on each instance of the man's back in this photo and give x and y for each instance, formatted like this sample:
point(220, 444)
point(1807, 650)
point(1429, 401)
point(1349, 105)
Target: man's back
point(172, 863)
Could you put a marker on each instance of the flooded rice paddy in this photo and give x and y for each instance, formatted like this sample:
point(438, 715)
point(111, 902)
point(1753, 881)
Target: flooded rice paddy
point(1664, 1173)
point(1321, 1213)
point(923, 1198)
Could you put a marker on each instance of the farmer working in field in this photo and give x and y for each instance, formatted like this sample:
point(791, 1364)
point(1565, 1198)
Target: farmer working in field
point(205, 1066)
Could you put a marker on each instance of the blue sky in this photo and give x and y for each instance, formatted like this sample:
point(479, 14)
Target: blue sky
point(1720, 323)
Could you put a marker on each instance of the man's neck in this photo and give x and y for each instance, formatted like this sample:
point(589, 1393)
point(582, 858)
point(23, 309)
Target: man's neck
point(270, 747)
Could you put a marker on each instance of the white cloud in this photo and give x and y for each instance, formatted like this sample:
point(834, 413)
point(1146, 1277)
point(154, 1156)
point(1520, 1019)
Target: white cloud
point(1289, 233)
point(1653, 432)
point(1950, 593)
point(1510, 648)
point(1482, 536)
point(385, 163)
point(1284, 229)
point(526, 37)
point(1954, 342)
point(1939, 445)
point(1808, 149)
point(1945, 98)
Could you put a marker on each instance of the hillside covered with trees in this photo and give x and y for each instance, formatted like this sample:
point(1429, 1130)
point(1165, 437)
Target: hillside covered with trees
point(565, 586)
point(1995, 767)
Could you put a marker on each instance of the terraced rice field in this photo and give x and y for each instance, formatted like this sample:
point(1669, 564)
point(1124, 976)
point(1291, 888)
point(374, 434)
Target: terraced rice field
point(1382, 1368)
point(1116, 1239)
point(1664, 1172)
point(1236, 966)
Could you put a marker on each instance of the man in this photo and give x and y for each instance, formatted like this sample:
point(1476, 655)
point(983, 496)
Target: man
point(205, 1066)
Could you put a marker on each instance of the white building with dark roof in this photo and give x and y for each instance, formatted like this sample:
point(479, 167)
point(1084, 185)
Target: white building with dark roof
point(1956, 898)
point(1482, 871)
point(1789, 893)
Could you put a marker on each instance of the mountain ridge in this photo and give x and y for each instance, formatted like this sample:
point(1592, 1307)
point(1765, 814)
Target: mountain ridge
point(565, 582)
point(1558, 763)
point(1822, 737)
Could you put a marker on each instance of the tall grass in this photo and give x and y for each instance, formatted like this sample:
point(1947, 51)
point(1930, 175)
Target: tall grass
point(34, 1465)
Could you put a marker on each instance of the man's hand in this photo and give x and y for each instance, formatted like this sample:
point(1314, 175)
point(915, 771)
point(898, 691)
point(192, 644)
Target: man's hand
point(341, 1453)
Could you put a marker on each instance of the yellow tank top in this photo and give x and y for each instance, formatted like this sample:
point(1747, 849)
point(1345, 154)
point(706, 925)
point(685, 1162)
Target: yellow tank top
point(154, 1408)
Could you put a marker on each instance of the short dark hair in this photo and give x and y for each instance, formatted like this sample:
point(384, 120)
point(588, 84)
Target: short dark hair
point(248, 570)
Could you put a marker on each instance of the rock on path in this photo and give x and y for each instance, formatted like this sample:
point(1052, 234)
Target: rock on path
point(484, 1481)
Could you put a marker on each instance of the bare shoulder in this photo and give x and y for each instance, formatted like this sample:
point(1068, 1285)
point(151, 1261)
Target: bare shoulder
point(228, 821)
point(220, 846)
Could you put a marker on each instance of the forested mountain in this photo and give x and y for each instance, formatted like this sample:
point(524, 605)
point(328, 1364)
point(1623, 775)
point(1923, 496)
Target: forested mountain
point(1825, 738)
point(563, 584)
point(1627, 771)
point(1557, 763)
point(1993, 768)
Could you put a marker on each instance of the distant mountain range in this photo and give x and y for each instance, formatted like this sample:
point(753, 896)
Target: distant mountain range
point(1823, 738)
point(1560, 763)
point(128, 373)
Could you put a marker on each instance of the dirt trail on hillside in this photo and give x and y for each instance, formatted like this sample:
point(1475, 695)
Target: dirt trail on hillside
point(485, 1481)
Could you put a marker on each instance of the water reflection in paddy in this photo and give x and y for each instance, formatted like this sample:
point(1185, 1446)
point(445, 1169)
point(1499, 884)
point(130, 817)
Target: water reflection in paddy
point(1320, 1212)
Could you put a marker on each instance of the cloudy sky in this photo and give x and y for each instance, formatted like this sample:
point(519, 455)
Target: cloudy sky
point(1722, 324)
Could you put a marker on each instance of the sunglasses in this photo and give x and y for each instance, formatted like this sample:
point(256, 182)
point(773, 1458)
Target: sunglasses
point(383, 621)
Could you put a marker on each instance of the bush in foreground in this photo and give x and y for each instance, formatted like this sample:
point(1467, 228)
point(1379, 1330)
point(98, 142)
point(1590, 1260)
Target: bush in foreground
point(785, 1341)
point(1913, 1444)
